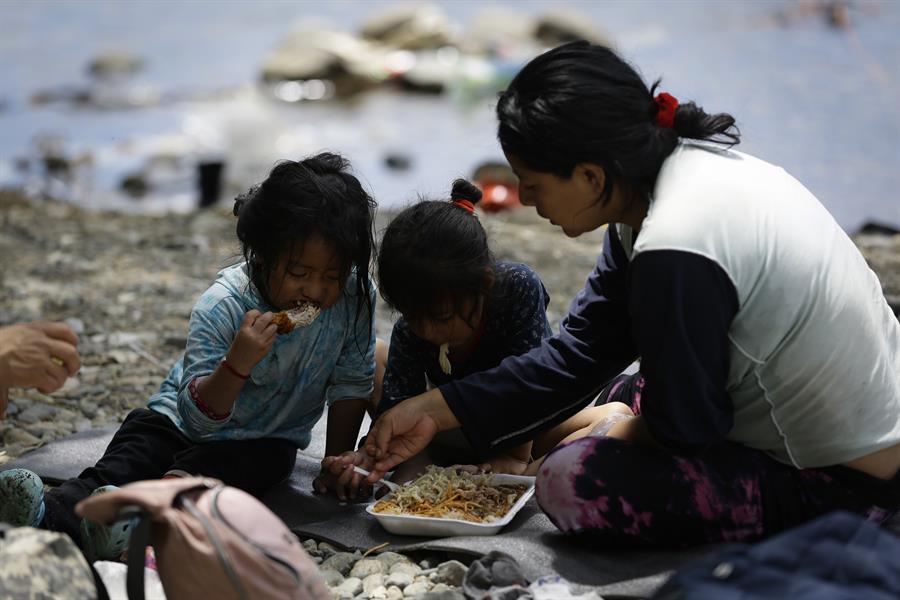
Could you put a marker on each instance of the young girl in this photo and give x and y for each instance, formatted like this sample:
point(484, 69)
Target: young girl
point(462, 313)
point(769, 389)
point(244, 398)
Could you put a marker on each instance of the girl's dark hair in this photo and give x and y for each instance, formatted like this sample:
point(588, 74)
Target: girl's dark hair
point(581, 103)
point(433, 252)
point(299, 199)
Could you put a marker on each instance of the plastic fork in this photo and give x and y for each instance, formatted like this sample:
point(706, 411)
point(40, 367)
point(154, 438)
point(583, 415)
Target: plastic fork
point(389, 484)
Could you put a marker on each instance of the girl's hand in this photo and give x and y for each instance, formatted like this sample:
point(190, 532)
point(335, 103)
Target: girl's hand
point(504, 463)
point(338, 475)
point(253, 341)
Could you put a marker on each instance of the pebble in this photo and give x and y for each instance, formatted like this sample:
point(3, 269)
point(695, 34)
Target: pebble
point(394, 593)
point(366, 567)
point(415, 589)
point(327, 550)
point(372, 582)
point(389, 559)
point(332, 577)
point(405, 567)
point(401, 580)
point(448, 594)
point(15, 435)
point(342, 562)
point(36, 413)
point(451, 572)
point(350, 587)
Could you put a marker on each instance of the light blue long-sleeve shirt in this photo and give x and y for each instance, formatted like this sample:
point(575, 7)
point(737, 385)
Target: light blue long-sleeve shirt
point(306, 370)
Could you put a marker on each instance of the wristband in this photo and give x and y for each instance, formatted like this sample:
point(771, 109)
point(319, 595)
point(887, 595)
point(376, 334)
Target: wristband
point(201, 405)
point(234, 371)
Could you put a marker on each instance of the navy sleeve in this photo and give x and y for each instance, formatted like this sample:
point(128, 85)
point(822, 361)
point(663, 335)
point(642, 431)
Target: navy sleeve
point(404, 375)
point(530, 393)
point(525, 322)
point(682, 305)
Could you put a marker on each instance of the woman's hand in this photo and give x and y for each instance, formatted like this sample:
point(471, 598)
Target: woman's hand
point(338, 475)
point(40, 355)
point(253, 341)
point(405, 430)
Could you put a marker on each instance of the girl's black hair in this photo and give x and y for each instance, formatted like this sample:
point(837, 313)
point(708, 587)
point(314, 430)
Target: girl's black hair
point(581, 102)
point(433, 252)
point(298, 199)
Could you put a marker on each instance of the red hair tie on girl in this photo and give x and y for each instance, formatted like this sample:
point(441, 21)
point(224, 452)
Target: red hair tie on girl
point(665, 114)
point(464, 204)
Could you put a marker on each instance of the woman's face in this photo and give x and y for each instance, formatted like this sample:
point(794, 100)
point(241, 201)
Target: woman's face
point(572, 203)
point(311, 272)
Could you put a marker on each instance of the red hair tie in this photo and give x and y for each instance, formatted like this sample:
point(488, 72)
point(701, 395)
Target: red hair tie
point(464, 204)
point(665, 114)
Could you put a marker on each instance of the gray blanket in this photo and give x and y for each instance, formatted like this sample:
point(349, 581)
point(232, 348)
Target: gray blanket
point(530, 538)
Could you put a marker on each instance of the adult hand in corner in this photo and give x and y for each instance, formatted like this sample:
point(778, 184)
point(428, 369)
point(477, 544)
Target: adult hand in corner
point(39, 355)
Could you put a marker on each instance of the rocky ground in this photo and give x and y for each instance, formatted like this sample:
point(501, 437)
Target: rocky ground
point(387, 575)
point(126, 284)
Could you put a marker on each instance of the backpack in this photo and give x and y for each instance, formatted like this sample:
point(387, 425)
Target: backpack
point(210, 540)
point(43, 564)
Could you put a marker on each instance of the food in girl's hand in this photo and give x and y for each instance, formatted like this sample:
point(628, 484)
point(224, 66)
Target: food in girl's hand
point(452, 493)
point(301, 316)
point(444, 358)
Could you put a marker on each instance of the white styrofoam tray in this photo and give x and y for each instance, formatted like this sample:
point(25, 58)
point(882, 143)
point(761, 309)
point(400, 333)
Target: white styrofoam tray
point(438, 527)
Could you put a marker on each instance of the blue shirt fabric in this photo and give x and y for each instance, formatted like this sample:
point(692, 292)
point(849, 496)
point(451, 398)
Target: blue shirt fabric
point(516, 323)
point(330, 360)
point(672, 309)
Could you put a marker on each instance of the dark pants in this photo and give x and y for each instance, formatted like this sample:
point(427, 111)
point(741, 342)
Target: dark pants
point(621, 493)
point(148, 444)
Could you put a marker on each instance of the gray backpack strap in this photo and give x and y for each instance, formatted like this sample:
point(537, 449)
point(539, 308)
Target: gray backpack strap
point(137, 552)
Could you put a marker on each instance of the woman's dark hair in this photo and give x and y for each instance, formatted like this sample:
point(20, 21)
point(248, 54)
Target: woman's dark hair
point(299, 199)
point(581, 103)
point(433, 252)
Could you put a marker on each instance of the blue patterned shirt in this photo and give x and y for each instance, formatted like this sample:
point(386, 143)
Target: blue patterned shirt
point(516, 323)
point(330, 360)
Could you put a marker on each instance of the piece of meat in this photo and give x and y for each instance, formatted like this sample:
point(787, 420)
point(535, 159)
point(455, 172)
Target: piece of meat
point(301, 316)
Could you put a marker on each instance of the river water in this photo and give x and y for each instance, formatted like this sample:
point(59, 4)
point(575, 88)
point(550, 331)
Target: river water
point(822, 102)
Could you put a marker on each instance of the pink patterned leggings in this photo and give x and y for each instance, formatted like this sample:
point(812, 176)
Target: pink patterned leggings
point(626, 494)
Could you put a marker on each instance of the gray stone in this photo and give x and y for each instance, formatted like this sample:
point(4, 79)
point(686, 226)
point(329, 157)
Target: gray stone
point(394, 593)
point(341, 562)
point(349, 587)
point(445, 594)
point(36, 412)
point(76, 324)
point(20, 436)
point(373, 581)
point(441, 587)
point(332, 577)
point(327, 550)
point(389, 559)
point(405, 567)
point(378, 593)
point(401, 580)
point(416, 589)
point(311, 547)
point(451, 573)
point(366, 567)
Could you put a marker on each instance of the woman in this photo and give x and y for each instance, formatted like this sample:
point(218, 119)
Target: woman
point(769, 386)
